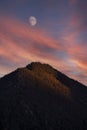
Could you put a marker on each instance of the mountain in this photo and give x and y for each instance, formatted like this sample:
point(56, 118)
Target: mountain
point(38, 97)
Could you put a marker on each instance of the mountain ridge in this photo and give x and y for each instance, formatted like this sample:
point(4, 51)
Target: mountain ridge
point(49, 66)
point(40, 97)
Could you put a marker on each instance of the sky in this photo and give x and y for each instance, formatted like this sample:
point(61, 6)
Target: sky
point(59, 38)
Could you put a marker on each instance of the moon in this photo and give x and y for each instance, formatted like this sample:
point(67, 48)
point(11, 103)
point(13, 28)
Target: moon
point(32, 20)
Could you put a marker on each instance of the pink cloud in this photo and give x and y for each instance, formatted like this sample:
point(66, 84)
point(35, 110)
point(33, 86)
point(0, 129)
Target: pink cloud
point(20, 44)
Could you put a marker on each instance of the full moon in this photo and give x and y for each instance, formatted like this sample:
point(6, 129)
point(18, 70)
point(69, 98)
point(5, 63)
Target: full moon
point(32, 20)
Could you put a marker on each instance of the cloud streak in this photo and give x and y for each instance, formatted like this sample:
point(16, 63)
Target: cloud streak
point(20, 44)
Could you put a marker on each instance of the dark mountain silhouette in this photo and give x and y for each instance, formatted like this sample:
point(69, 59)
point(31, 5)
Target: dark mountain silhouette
point(38, 97)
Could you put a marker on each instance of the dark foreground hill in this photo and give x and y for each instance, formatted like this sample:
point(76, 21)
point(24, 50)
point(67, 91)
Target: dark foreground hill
point(39, 97)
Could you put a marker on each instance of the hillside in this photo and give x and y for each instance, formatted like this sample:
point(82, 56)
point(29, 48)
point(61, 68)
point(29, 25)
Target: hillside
point(39, 97)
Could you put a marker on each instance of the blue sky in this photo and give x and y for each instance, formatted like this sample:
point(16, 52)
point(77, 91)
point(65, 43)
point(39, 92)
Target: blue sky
point(59, 37)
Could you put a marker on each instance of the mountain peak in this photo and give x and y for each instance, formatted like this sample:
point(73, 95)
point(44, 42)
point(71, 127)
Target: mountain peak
point(40, 97)
point(39, 67)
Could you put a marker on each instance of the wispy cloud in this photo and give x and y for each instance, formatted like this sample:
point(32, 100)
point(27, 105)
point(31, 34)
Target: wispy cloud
point(20, 44)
